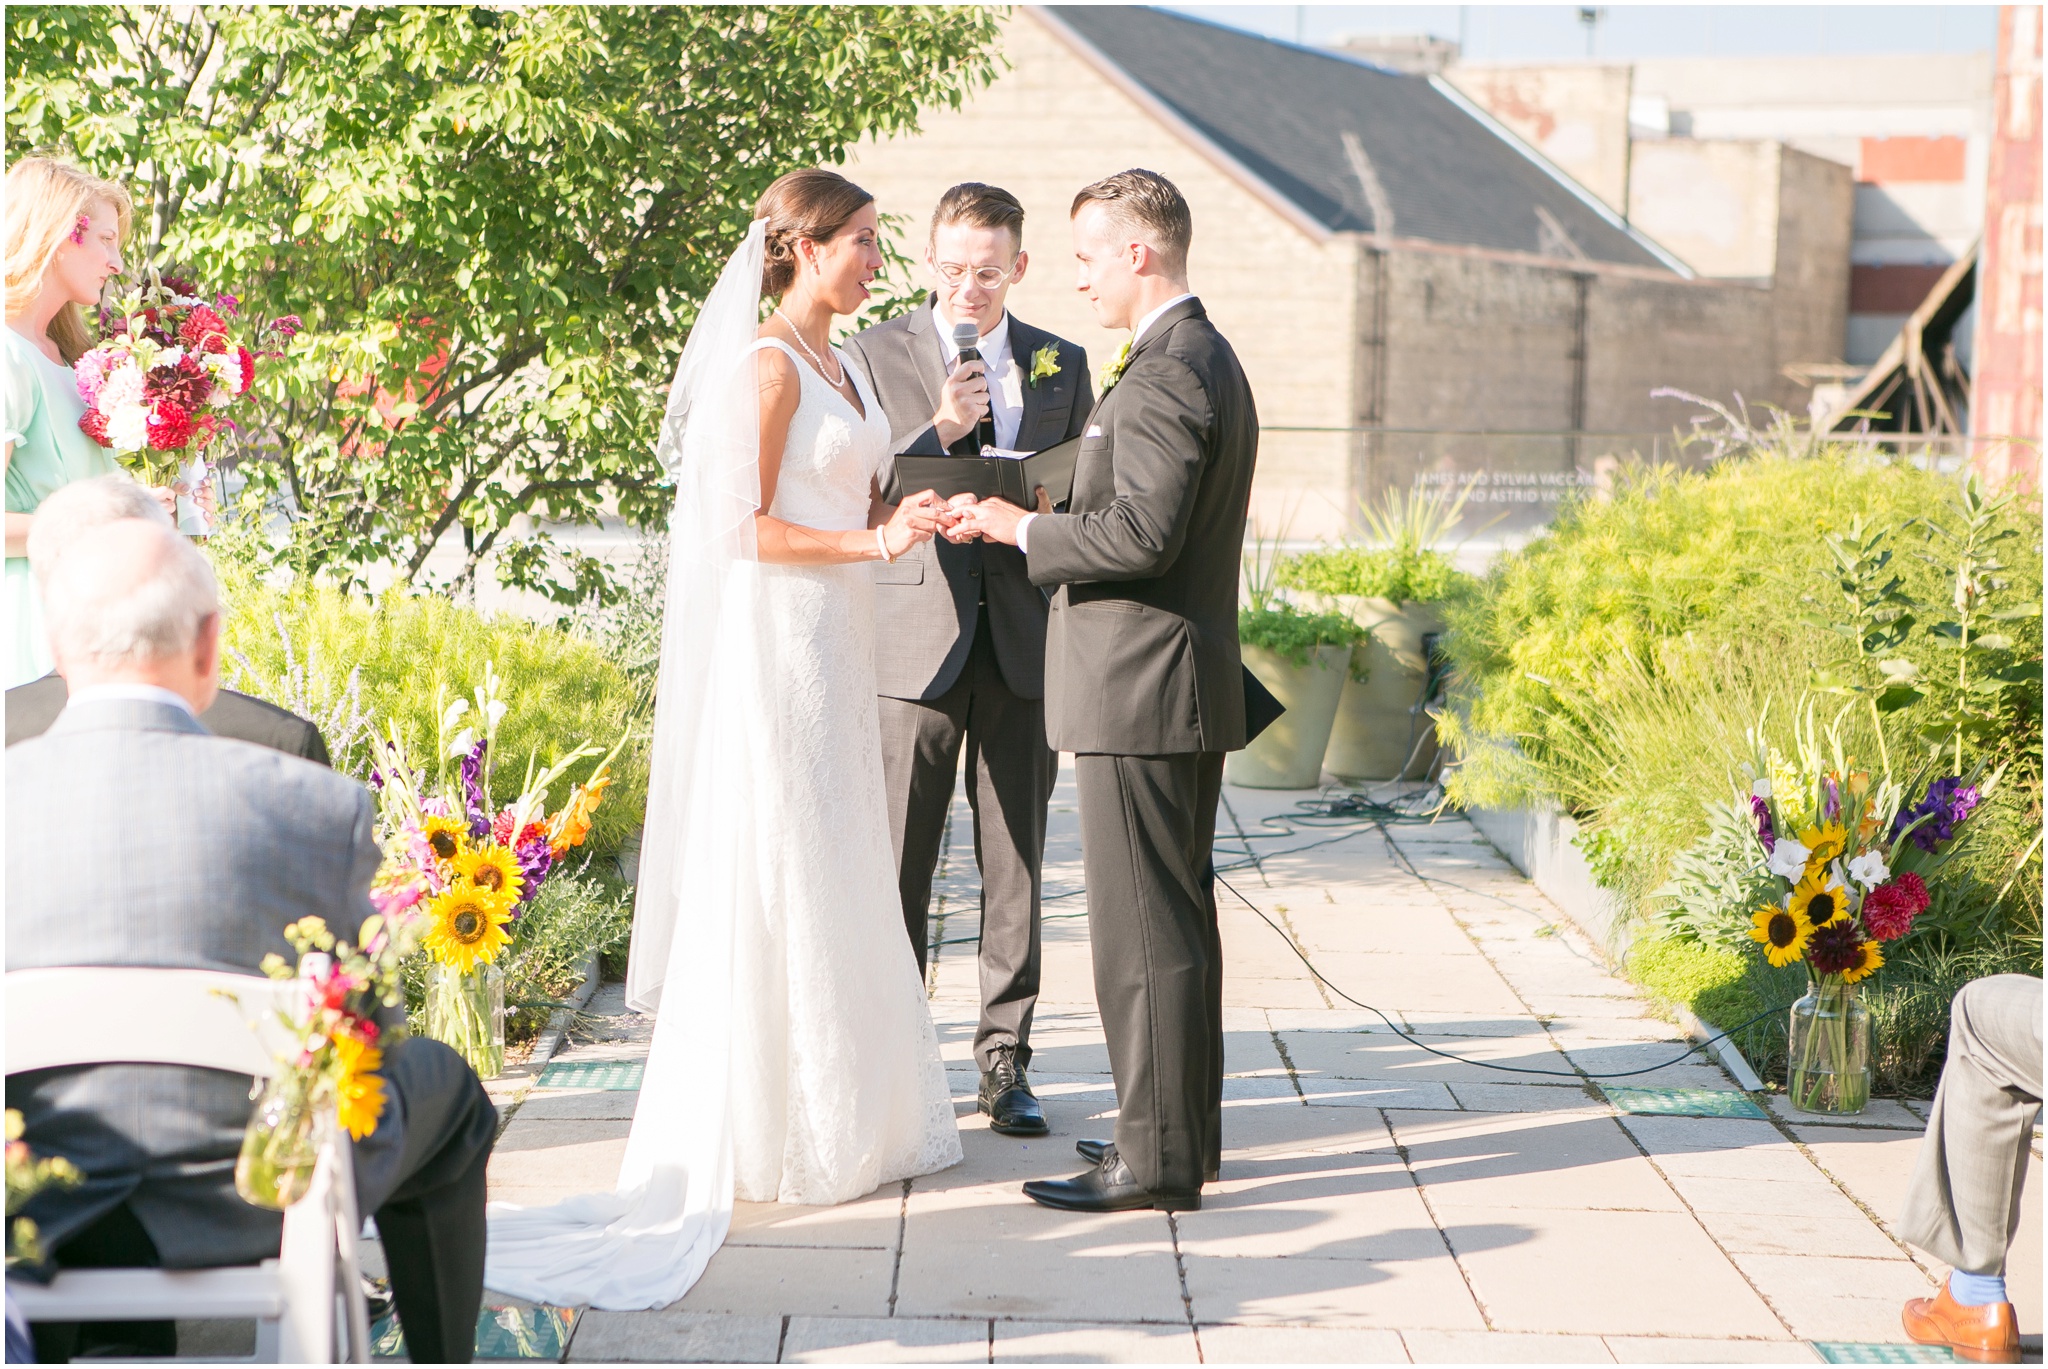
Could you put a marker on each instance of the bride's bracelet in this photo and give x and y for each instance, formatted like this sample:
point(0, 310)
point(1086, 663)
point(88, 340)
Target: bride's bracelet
point(882, 545)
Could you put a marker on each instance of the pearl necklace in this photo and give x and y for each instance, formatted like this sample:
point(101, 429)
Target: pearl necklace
point(816, 361)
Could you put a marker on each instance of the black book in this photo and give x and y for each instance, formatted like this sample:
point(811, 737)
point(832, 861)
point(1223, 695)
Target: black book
point(994, 477)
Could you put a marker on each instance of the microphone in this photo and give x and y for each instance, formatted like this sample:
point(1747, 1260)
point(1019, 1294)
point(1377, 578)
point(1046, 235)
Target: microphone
point(967, 340)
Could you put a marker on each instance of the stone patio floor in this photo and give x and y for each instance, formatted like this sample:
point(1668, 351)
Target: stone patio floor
point(1378, 1203)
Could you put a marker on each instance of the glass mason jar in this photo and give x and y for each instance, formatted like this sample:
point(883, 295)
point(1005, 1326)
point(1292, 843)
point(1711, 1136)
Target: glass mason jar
point(281, 1144)
point(1828, 1062)
point(467, 1011)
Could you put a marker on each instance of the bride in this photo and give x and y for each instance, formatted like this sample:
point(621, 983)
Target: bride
point(794, 1058)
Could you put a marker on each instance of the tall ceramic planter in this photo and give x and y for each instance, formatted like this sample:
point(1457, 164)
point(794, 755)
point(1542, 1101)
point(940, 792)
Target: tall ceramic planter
point(1379, 734)
point(1289, 754)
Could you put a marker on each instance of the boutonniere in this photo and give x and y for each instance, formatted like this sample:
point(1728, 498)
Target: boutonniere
point(1045, 362)
point(1114, 371)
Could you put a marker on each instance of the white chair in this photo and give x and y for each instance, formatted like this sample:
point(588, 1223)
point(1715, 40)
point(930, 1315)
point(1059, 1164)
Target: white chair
point(307, 1303)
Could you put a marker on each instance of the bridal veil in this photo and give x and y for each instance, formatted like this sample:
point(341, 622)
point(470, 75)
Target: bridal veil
point(647, 1242)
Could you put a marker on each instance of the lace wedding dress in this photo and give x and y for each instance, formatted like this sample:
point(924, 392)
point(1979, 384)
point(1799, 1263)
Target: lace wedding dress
point(794, 1058)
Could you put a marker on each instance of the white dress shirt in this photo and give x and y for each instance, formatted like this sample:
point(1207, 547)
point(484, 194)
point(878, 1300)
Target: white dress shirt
point(139, 693)
point(1005, 381)
point(1024, 523)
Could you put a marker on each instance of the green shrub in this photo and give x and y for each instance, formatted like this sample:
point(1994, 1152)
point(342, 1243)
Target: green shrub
point(1375, 573)
point(410, 655)
point(1287, 631)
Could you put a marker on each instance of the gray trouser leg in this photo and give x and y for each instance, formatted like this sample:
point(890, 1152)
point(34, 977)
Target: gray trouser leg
point(1009, 781)
point(1147, 826)
point(920, 758)
point(1964, 1203)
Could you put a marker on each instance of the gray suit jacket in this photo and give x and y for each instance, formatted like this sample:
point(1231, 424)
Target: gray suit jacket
point(32, 707)
point(1141, 650)
point(137, 838)
point(926, 602)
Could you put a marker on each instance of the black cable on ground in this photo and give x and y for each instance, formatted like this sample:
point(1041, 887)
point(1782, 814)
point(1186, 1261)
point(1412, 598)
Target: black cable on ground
point(1412, 1039)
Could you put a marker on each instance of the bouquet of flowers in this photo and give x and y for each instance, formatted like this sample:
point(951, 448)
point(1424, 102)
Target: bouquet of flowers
point(167, 366)
point(27, 1176)
point(330, 1074)
point(471, 864)
point(1849, 861)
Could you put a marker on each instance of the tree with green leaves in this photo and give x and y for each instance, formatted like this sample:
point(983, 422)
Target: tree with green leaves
point(495, 223)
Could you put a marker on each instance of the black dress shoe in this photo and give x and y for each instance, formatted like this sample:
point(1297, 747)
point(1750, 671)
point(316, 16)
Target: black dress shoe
point(1093, 1151)
point(1108, 1187)
point(1006, 1097)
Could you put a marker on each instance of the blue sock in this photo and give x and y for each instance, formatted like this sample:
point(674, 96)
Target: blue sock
point(1976, 1290)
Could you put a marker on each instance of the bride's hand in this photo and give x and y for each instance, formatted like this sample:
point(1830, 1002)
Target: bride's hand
point(914, 521)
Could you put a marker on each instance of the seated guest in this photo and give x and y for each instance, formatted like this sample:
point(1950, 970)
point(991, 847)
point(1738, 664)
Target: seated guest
point(1964, 1204)
point(137, 838)
point(32, 707)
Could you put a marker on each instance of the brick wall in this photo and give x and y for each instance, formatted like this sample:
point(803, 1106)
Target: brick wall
point(2006, 399)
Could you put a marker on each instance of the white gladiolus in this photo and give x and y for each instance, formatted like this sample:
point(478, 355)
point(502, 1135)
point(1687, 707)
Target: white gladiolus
point(452, 712)
point(1761, 789)
point(1788, 858)
point(459, 747)
point(1869, 870)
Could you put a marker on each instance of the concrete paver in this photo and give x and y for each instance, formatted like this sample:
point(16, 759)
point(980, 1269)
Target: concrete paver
point(1379, 1203)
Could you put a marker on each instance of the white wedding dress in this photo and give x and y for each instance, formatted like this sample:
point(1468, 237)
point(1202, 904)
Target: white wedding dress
point(794, 1058)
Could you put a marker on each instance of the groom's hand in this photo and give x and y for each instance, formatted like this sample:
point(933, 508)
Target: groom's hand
point(995, 519)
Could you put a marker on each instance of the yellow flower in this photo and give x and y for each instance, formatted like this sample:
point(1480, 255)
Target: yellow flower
point(466, 927)
point(359, 1096)
point(1872, 962)
point(491, 868)
point(1823, 844)
point(1113, 371)
point(1782, 933)
point(1819, 900)
point(446, 837)
point(1045, 362)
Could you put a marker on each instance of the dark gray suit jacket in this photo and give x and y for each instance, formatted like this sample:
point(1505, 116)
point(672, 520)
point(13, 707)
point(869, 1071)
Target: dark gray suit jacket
point(926, 601)
point(32, 707)
point(136, 838)
point(1141, 649)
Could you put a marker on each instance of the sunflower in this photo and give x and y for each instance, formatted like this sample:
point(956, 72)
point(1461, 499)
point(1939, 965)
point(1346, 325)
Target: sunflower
point(359, 1095)
point(445, 837)
point(1824, 843)
point(466, 927)
point(1819, 900)
point(1782, 933)
point(491, 868)
point(1840, 948)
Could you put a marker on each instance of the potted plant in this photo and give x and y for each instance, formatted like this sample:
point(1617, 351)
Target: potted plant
point(1303, 657)
point(1395, 594)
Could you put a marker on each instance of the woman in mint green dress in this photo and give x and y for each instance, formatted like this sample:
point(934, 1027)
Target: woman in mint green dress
point(64, 230)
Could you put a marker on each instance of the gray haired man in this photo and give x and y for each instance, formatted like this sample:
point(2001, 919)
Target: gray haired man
point(139, 838)
point(86, 504)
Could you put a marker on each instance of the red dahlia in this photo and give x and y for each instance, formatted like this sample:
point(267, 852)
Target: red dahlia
point(93, 424)
point(1888, 911)
point(186, 384)
point(245, 362)
point(205, 330)
point(170, 426)
point(1915, 887)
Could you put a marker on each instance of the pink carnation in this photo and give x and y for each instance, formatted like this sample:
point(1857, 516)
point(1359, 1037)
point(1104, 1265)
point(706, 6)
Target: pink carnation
point(91, 372)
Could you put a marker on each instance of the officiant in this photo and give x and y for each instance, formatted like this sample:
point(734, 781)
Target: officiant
point(960, 630)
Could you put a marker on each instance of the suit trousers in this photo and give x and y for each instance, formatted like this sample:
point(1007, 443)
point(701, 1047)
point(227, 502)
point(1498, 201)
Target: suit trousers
point(1010, 774)
point(1964, 1203)
point(423, 1179)
point(1147, 825)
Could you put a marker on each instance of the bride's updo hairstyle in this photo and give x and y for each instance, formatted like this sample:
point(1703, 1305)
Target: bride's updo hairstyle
point(813, 203)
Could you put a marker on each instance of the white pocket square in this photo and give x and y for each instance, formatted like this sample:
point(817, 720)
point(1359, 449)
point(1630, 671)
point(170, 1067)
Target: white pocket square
point(1094, 430)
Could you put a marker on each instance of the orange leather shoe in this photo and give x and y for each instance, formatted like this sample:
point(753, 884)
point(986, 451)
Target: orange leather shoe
point(1983, 1335)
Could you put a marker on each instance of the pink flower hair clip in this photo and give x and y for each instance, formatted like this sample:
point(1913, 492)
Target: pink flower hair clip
point(78, 229)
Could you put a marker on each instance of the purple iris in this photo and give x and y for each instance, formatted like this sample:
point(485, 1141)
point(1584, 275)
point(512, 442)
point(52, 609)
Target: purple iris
point(535, 860)
point(1764, 833)
point(1833, 807)
point(473, 788)
point(1948, 802)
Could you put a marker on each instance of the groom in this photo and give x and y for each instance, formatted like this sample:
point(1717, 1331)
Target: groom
point(1144, 683)
point(960, 640)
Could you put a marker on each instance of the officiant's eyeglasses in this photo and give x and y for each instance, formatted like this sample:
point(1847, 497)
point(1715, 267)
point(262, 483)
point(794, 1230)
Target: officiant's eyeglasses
point(987, 277)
